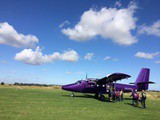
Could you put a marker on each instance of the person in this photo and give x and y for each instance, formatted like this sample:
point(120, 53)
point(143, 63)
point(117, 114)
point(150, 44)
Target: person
point(136, 97)
point(110, 95)
point(117, 95)
point(121, 95)
point(143, 99)
point(133, 98)
point(113, 94)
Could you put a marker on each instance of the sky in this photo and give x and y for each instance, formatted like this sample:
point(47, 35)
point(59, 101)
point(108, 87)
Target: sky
point(60, 41)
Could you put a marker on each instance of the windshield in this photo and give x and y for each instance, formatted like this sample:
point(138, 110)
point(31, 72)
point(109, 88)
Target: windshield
point(79, 82)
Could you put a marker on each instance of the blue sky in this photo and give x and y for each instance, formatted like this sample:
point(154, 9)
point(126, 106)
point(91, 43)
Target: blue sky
point(58, 42)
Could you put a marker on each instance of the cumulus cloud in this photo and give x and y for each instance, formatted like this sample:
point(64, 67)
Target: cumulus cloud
point(117, 4)
point(9, 36)
point(158, 62)
point(107, 58)
point(146, 55)
point(36, 57)
point(4, 62)
point(70, 56)
point(150, 30)
point(88, 56)
point(98, 74)
point(80, 73)
point(109, 23)
point(115, 59)
point(68, 72)
point(64, 23)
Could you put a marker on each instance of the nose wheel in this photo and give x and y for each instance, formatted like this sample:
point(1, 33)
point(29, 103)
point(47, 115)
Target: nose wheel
point(72, 95)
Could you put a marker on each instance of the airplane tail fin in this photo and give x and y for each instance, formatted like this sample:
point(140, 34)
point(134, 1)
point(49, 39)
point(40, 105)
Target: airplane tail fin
point(142, 80)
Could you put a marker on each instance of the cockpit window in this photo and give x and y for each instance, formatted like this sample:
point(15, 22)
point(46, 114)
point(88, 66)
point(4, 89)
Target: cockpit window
point(79, 82)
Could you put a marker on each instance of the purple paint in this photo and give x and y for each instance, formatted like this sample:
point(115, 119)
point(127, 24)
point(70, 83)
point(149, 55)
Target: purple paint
point(100, 85)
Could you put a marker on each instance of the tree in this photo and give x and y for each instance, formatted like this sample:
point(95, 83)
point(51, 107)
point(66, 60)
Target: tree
point(2, 83)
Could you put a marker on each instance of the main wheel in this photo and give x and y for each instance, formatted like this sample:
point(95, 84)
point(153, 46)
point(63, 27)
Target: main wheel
point(102, 97)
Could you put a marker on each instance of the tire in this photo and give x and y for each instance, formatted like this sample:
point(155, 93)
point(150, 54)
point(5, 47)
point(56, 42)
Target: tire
point(72, 95)
point(102, 97)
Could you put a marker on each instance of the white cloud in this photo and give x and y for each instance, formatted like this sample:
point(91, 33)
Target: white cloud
point(88, 56)
point(110, 23)
point(36, 57)
point(150, 30)
point(115, 59)
point(68, 72)
point(98, 74)
point(70, 56)
point(80, 73)
point(4, 62)
point(158, 62)
point(107, 58)
point(64, 23)
point(9, 36)
point(117, 4)
point(146, 55)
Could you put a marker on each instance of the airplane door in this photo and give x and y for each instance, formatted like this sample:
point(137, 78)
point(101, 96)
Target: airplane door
point(103, 89)
point(114, 86)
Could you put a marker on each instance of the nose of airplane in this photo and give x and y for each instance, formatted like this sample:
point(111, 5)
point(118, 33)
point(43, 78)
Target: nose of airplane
point(65, 87)
point(71, 87)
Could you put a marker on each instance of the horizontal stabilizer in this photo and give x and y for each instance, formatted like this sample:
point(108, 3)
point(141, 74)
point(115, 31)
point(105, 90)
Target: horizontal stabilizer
point(149, 82)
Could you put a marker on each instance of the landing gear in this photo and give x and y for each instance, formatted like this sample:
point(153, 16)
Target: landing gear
point(72, 95)
point(102, 97)
point(96, 95)
point(99, 96)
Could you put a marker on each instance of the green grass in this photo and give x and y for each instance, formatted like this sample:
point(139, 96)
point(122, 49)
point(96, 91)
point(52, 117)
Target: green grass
point(46, 104)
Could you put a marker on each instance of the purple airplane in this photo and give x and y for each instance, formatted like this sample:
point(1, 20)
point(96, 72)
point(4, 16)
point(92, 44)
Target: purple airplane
point(102, 86)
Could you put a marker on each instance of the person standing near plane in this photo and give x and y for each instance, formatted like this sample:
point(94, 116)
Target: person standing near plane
point(113, 94)
point(117, 95)
point(133, 99)
point(110, 94)
point(143, 99)
point(136, 97)
point(121, 95)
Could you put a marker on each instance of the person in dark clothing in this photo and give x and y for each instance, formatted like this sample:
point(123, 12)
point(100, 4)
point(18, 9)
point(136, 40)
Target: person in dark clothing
point(110, 95)
point(133, 99)
point(143, 99)
point(113, 94)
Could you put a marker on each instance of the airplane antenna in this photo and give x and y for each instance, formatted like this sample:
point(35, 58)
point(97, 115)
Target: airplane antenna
point(86, 77)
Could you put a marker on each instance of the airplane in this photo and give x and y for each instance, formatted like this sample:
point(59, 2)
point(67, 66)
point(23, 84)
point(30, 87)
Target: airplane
point(102, 86)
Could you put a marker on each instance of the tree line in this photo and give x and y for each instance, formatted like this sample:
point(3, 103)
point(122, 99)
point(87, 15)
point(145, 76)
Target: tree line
point(30, 84)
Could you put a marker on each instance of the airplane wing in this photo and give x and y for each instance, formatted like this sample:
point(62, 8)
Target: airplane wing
point(113, 78)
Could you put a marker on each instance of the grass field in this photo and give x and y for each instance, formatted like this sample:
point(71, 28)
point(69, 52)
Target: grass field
point(33, 103)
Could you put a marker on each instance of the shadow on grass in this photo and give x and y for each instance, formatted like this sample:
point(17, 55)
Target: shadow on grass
point(130, 104)
point(89, 96)
point(127, 98)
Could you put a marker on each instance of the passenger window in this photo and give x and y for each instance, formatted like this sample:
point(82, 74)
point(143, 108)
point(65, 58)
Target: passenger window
point(91, 84)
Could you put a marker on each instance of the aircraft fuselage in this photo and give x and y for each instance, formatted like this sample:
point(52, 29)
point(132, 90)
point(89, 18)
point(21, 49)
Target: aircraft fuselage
point(91, 87)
